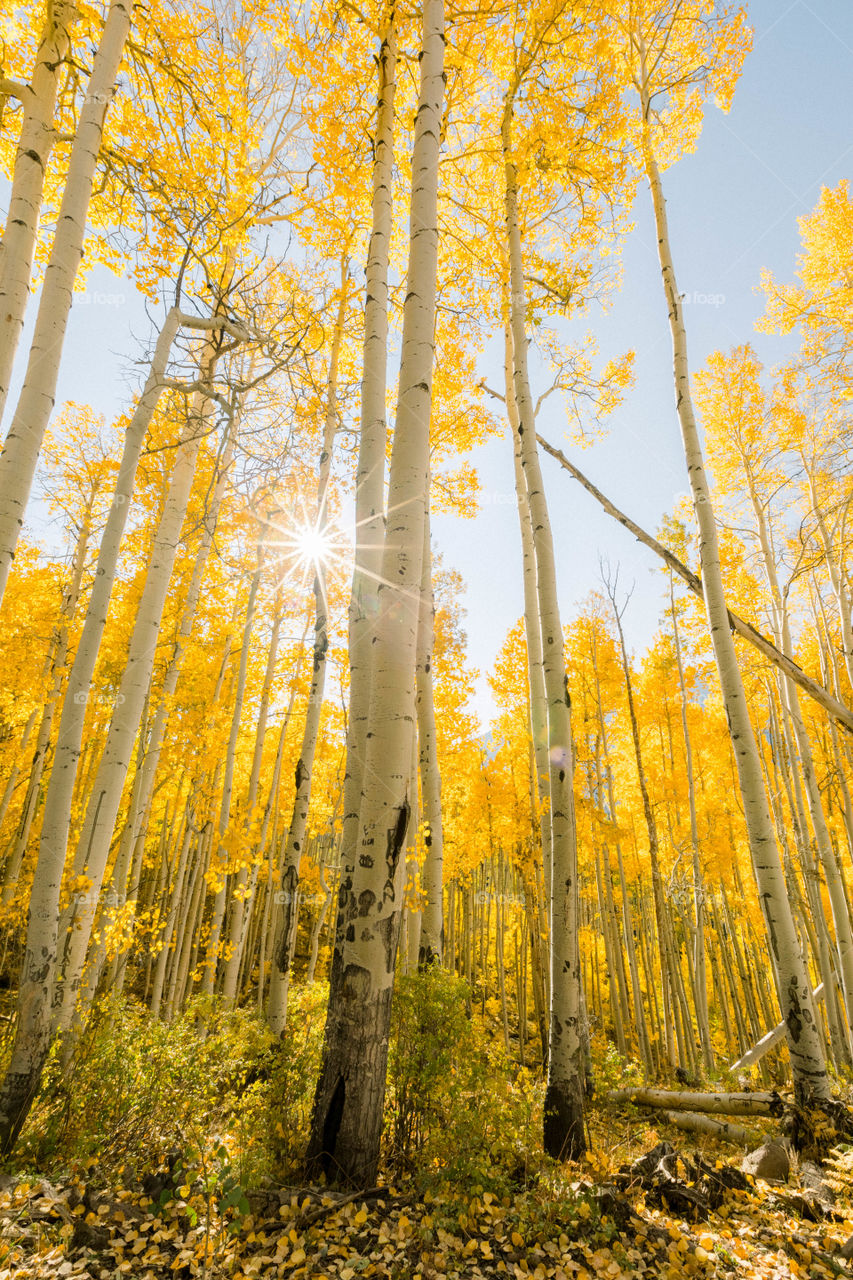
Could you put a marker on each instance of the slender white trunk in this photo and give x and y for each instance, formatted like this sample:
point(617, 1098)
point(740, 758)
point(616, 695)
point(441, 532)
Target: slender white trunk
point(208, 978)
point(826, 855)
point(242, 899)
point(370, 473)
point(288, 895)
point(123, 879)
point(23, 443)
point(532, 629)
point(58, 673)
point(25, 198)
point(700, 975)
point(102, 810)
point(805, 1046)
point(38, 968)
point(564, 1136)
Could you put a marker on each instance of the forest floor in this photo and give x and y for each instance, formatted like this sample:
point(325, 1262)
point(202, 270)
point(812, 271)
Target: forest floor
point(577, 1222)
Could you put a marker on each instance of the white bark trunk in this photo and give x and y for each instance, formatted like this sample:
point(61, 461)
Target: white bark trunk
point(370, 474)
point(347, 1118)
point(288, 904)
point(239, 913)
point(745, 630)
point(563, 1123)
point(28, 178)
point(806, 1050)
point(38, 968)
point(102, 810)
point(23, 443)
point(220, 900)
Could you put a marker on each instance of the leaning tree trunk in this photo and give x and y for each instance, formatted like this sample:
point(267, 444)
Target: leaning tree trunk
point(38, 103)
point(56, 675)
point(790, 699)
point(23, 443)
point(821, 695)
point(807, 1058)
point(96, 834)
point(38, 968)
point(564, 1136)
point(346, 1123)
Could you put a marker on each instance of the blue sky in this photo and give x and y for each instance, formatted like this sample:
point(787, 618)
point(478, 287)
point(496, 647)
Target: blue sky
point(733, 208)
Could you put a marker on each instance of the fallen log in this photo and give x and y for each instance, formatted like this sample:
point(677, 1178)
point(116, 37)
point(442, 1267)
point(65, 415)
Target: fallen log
point(693, 1122)
point(727, 1104)
point(768, 1041)
point(842, 714)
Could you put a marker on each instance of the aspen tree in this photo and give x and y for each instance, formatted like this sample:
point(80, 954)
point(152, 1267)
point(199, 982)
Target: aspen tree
point(38, 132)
point(370, 469)
point(23, 442)
point(700, 981)
point(430, 947)
point(208, 978)
point(347, 1117)
point(287, 918)
point(806, 1050)
point(38, 969)
point(563, 1118)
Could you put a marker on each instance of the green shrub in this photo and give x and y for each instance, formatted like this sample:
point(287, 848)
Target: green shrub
point(270, 1126)
point(459, 1112)
point(138, 1088)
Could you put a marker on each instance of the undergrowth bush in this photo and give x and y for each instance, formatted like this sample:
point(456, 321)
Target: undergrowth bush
point(459, 1111)
point(142, 1094)
point(270, 1127)
point(138, 1088)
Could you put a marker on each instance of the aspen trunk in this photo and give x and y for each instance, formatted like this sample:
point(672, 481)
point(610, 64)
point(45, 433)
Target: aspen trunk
point(38, 969)
point(370, 471)
point(57, 677)
point(563, 1136)
point(208, 978)
point(804, 1043)
point(288, 915)
point(237, 933)
point(347, 1117)
point(135, 827)
point(104, 803)
point(24, 440)
point(700, 977)
point(839, 712)
point(28, 176)
point(532, 629)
